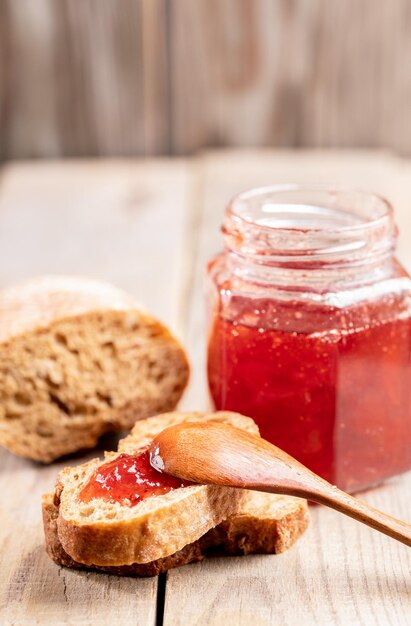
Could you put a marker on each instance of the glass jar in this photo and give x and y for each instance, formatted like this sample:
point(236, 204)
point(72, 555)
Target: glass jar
point(309, 329)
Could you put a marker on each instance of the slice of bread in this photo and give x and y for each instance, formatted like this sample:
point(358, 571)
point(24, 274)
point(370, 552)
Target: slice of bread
point(265, 524)
point(168, 530)
point(79, 358)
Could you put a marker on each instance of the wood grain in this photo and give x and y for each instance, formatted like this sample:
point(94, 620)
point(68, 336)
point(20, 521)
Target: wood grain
point(339, 572)
point(150, 227)
point(91, 218)
point(145, 77)
point(83, 78)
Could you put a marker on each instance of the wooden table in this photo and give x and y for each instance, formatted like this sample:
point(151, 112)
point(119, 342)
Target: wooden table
point(149, 227)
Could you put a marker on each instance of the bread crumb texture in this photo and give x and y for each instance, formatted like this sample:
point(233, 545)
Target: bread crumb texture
point(78, 358)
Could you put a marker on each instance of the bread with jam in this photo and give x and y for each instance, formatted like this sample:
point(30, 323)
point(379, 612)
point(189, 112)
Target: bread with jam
point(115, 531)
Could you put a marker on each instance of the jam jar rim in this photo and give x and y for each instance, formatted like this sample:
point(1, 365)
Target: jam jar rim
point(247, 194)
point(314, 225)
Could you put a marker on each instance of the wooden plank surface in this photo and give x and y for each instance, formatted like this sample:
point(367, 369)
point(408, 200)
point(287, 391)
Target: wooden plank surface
point(150, 227)
point(339, 573)
point(82, 78)
point(93, 218)
point(143, 77)
point(118, 221)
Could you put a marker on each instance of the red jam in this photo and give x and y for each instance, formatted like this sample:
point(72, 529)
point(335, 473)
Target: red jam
point(129, 479)
point(332, 387)
point(310, 329)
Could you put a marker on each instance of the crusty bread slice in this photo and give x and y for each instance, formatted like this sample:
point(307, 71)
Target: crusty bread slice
point(104, 533)
point(265, 524)
point(164, 531)
point(79, 358)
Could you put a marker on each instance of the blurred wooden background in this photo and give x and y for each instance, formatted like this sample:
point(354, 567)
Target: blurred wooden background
point(149, 77)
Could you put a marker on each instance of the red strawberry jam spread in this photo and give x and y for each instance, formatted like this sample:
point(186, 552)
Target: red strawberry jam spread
point(129, 479)
point(337, 399)
point(310, 329)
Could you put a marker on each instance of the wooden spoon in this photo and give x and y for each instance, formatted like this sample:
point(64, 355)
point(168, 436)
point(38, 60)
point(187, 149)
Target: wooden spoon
point(223, 455)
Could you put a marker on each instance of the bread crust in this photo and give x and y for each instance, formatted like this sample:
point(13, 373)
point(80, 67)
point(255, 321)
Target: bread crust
point(152, 535)
point(104, 535)
point(55, 550)
point(39, 302)
point(79, 358)
point(267, 524)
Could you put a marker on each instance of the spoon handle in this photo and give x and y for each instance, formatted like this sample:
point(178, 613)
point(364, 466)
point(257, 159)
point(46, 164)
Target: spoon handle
point(359, 510)
point(336, 499)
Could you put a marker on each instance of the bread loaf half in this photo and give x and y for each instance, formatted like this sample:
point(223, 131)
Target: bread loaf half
point(79, 358)
point(167, 530)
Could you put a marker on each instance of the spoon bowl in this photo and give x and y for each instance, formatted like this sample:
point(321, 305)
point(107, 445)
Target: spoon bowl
point(220, 454)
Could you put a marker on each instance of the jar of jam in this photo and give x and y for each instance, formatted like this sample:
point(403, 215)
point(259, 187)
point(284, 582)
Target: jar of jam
point(310, 320)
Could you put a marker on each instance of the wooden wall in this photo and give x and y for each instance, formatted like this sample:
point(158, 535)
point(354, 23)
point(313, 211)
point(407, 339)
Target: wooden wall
point(148, 77)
